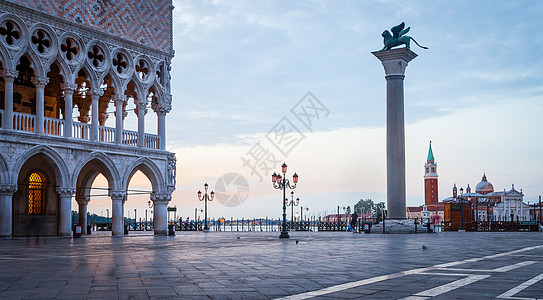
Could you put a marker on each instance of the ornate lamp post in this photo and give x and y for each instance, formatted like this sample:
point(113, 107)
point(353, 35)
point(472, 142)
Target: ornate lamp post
point(461, 210)
point(281, 183)
point(292, 203)
point(206, 197)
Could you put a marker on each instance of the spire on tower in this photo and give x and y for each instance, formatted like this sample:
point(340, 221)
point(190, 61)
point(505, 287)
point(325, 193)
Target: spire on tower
point(430, 158)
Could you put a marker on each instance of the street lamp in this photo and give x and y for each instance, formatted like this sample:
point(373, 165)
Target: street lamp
point(292, 203)
point(205, 198)
point(281, 183)
point(461, 210)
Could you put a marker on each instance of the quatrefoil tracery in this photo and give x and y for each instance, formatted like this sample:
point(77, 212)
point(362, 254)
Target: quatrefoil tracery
point(142, 69)
point(10, 33)
point(96, 56)
point(69, 48)
point(120, 62)
point(40, 39)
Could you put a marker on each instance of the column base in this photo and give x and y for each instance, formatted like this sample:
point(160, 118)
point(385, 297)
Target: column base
point(284, 235)
point(161, 232)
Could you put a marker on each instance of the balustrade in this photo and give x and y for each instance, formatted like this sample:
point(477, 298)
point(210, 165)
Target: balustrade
point(53, 126)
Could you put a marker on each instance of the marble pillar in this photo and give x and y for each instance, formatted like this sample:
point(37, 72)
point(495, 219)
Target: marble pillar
point(9, 78)
point(69, 89)
point(160, 202)
point(83, 203)
point(117, 219)
point(119, 104)
point(395, 62)
point(65, 211)
point(40, 82)
point(6, 200)
point(142, 110)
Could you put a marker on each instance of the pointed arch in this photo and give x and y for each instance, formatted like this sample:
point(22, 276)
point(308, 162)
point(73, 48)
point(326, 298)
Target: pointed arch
point(149, 169)
point(35, 62)
point(54, 158)
point(5, 177)
point(97, 162)
point(4, 57)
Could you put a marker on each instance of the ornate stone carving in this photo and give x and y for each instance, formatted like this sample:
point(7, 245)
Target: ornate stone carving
point(40, 81)
point(9, 73)
point(83, 200)
point(165, 198)
point(68, 86)
point(65, 191)
point(8, 189)
point(117, 195)
point(172, 170)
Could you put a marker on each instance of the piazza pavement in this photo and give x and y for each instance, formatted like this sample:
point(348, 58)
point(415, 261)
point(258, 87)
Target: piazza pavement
point(259, 265)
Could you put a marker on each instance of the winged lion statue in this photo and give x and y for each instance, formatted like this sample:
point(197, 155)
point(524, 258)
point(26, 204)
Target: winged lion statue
point(398, 38)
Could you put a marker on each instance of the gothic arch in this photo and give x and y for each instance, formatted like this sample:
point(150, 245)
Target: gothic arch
point(97, 162)
point(147, 167)
point(57, 162)
point(35, 62)
point(5, 177)
point(4, 57)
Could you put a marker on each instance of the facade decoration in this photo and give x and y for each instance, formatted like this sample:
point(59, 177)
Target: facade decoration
point(61, 81)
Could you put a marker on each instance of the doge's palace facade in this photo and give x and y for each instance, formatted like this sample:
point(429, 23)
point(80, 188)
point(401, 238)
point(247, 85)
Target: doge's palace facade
point(67, 66)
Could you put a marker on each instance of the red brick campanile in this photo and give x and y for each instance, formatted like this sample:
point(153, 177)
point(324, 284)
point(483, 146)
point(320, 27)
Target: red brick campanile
point(430, 179)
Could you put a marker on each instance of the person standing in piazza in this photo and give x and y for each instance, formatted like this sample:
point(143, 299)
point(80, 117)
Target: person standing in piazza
point(354, 218)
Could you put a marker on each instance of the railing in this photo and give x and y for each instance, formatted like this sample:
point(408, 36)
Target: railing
point(130, 138)
point(151, 141)
point(81, 130)
point(106, 134)
point(23, 122)
point(54, 126)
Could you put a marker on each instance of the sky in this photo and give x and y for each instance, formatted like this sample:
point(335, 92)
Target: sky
point(244, 70)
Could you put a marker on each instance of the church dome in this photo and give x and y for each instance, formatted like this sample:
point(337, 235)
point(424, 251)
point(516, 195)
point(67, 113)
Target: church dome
point(484, 187)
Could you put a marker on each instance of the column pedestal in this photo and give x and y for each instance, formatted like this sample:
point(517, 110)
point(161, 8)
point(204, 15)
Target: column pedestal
point(395, 62)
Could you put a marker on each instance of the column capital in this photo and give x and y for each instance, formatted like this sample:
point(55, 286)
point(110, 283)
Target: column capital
point(6, 73)
point(40, 81)
point(118, 98)
point(161, 197)
point(68, 87)
point(117, 195)
point(395, 60)
point(163, 107)
point(65, 191)
point(8, 189)
point(95, 92)
point(83, 200)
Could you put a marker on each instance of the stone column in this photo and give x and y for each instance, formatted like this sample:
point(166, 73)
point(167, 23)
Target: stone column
point(395, 61)
point(119, 117)
point(162, 128)
point(65, 211)
point(95, 97)
point(40, 82)
point(6, 200)
point(9, 78)
point(160, 214)
point(117, 219)
point(83, 202)
point(142, 111)
point(69, 89)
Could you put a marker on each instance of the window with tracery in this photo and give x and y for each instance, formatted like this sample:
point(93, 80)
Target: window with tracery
point(37, 197)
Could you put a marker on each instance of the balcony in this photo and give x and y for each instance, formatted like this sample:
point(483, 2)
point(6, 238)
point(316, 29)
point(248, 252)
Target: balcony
point(55, 127)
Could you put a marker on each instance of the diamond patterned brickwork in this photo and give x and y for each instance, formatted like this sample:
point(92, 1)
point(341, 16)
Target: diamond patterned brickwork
point(147, 22)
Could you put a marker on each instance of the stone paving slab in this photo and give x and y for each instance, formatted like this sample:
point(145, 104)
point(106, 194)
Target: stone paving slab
point(259, 265)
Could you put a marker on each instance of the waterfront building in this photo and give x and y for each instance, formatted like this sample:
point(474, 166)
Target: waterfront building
point(66, 70)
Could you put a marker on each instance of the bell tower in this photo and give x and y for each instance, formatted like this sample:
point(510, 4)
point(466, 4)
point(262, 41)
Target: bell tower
point(430, 179)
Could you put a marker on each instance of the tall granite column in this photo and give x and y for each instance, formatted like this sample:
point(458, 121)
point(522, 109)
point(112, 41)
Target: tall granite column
point(395, 61)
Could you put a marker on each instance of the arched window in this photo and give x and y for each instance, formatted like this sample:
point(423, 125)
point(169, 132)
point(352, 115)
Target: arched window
point(37, 196)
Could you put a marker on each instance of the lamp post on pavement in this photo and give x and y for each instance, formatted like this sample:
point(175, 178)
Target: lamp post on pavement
point(292, 203)
point(281, 183)
point(206, 197)
point(461, 210)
